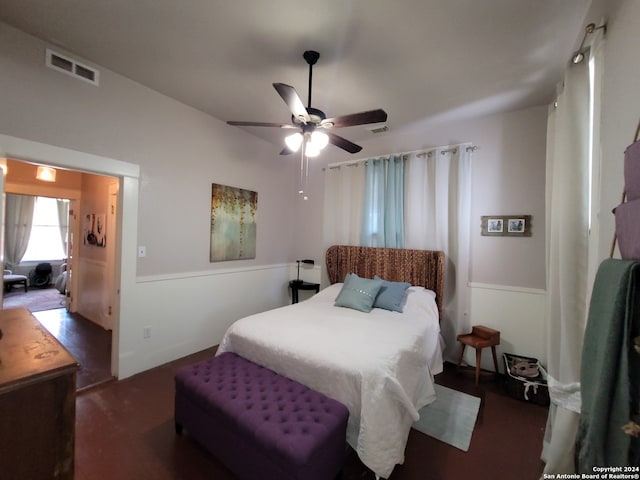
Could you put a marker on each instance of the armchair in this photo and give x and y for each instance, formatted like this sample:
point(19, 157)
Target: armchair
point(9, 280)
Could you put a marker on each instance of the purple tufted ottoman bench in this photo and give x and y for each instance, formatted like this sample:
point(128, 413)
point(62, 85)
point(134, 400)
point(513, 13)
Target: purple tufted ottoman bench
point(261, 425)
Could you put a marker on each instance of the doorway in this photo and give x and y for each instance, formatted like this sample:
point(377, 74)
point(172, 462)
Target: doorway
point(127, 215)
point(77, 303)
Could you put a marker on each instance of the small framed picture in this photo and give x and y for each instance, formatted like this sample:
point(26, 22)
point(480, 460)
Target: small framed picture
point(506, 225)
point(516, 225)
point(495, 225)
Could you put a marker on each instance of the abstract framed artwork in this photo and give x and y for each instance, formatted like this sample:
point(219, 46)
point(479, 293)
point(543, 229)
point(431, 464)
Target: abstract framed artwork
point(233, 223)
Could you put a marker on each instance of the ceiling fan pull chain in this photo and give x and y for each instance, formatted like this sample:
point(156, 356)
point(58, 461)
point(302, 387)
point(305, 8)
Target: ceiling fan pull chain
point(302, 155)
point(304, 173)
point(306, 178)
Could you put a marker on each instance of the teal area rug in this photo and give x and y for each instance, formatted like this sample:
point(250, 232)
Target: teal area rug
point(450, 418)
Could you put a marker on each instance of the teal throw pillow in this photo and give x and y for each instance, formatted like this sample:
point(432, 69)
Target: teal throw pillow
point(391, 295)
point(358, 293)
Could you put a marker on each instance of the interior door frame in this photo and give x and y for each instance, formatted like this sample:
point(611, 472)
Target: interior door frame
point(112, 264)
point(3, 160)
point(127, 214)
point(71, 292)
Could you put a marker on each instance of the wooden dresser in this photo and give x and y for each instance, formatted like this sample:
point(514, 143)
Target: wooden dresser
point(37, 400)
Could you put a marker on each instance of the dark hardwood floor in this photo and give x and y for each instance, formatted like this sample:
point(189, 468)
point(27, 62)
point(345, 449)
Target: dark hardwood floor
point(125, 430)
point(90, 344)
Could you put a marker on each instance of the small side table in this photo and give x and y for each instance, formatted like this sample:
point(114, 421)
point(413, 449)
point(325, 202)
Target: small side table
point(297, 286)
point(479, 338)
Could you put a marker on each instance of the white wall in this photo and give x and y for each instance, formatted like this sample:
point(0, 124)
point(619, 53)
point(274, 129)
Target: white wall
point(508, 178)
point(180, 152)
point(166, 155)
point(517, 313)
point(190, 312)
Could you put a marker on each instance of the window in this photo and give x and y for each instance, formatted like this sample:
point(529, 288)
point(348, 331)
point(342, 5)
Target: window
point(45, 241)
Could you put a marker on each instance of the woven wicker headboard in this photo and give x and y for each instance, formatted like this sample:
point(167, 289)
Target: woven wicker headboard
point(418, 267)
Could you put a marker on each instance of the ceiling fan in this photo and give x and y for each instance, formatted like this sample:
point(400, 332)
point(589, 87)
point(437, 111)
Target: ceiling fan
point(312, 123)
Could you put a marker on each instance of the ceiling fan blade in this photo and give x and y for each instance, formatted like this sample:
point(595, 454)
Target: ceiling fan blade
point(291, 98)
point(260, 124)
point(343, 143)
point(286, 151)
point(362, 118)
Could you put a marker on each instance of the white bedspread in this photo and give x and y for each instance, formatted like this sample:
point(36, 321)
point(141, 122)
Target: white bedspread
point(379, 364)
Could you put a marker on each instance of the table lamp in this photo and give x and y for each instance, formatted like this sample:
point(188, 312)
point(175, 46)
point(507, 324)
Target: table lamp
point(305, 261)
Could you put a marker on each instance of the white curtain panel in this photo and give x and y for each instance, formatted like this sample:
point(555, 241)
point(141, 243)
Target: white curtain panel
point(438, 217)
point(567, 197)
point(63, 221)
point(18, 222)
point(343, 204)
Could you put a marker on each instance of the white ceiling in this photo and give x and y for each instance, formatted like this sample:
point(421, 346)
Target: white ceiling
point(419, 60)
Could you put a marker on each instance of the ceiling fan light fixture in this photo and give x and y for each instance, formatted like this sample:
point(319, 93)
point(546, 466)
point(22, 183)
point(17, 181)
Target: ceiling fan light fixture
point(293, 141)
point(311, 150)
point(319, 140)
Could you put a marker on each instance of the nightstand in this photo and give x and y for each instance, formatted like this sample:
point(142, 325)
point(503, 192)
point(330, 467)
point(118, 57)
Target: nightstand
point(296, 286)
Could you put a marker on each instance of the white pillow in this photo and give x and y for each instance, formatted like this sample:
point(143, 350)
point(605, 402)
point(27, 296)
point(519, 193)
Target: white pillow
point(330, 292)
point(420, 300)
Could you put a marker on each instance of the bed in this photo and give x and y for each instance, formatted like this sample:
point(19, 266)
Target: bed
point(379, 364)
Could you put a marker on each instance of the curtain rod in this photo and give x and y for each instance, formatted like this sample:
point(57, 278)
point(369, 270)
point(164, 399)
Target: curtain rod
point(423, 152)
point(578, 55)
point(454, 149)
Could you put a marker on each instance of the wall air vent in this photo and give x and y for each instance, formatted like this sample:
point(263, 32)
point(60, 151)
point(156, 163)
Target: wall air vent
point(67, 65)
point(379, 129)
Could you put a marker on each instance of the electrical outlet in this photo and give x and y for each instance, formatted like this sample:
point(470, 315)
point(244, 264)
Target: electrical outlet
point(146, 332)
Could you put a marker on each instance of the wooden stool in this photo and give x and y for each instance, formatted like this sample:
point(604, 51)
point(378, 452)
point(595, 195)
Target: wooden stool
point(479, 338)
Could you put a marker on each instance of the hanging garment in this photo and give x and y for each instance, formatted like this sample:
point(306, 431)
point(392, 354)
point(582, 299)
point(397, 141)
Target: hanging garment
point(609, 372)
